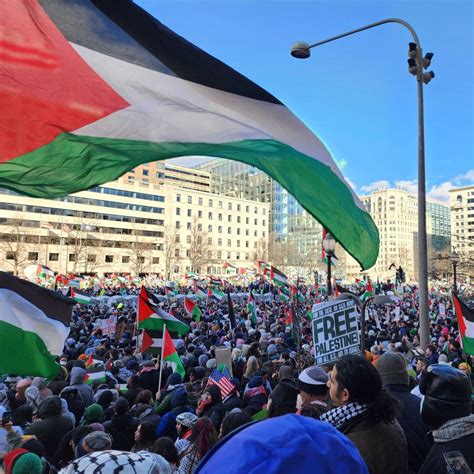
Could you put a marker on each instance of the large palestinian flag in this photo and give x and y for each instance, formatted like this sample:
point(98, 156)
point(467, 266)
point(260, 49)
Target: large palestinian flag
point(465, 317)
point(92, 88)
point(34, 324)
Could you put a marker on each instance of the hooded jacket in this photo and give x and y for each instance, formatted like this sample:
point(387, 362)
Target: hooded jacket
point(78, 375)
point(167, 426)
point(282, 445)
point(52, 426)
point(215, 410)
point(122, 427)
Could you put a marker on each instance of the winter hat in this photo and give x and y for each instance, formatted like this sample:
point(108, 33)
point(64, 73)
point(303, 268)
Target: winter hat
point(285, 372)
point(187, 419)
point(132, 364)
point(97, 441)
point(443, 359)
point(392, 368)
point(121, 406)
point(447, 395)
point(285, 394)
point(11, 457)
point(313, 380)
point(288, 440)
point(94, 413)
point(109, 462)
point(211, 364)
point(27, 463)
point(174, 379)
point(202, 359)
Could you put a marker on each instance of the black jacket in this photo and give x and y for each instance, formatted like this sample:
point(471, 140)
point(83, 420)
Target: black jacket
point(435, 462)
point(150, 380)
point(232, 402)
point(122, 428)
point(416, 432)
point(52, 426)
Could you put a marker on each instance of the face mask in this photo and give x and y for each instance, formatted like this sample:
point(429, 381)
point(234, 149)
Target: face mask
point(62, 362)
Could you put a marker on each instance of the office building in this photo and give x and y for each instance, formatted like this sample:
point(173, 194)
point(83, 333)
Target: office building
point(461, 201)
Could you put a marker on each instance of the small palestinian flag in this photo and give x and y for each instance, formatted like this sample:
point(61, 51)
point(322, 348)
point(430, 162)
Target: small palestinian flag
point(200, 291)
point(252, 309)
point(92, 88)
point(44, 272)
point(152, 340)
point(169, 293)
point(218, 295)
point(170, 354)
point(153, 317)
point(79, 297)
point(465, 318)
point(282, 295)
point(95, 373)
point(278, 277)
point(34, 324)
point(192, 309)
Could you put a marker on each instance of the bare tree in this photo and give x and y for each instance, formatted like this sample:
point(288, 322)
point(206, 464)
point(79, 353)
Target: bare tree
point(141, 254)
point(172, 249)
point(199, 248)
point(14, 245)
point(261, 251)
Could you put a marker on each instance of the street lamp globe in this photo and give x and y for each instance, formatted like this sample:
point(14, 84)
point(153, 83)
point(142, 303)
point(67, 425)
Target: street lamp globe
point(454, 256)
point(300, 50)
point(329, 244)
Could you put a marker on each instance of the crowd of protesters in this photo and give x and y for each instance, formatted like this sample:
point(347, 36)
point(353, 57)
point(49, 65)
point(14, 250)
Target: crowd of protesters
point(398, 408)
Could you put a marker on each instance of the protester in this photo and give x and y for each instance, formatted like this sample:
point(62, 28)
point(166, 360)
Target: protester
point(165, 447)
point(447, 410)
point(122, 426)
point(211, 406)
point(313, 390)
point(145, 436)
point(184, 427)
point(366, 414)
point(232, 421)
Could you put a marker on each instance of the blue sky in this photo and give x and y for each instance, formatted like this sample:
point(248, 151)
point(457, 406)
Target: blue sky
point(356, 93)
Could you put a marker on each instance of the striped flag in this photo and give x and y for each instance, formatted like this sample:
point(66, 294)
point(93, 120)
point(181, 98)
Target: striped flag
point(95, 373)
point(46, 225)
point(222, 380)
point(252, 309)
point(104, 82)
point(218, 295)
point(79, 297)
point(192, 309)
point(34, 324)
point(465, 318)
point(278, 277)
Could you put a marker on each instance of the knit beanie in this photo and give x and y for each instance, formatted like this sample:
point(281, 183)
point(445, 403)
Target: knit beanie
point(313, 380)
point(174, 379)
point(93, 414)
point(20, 461)
point(97, 441)
point(392, 369)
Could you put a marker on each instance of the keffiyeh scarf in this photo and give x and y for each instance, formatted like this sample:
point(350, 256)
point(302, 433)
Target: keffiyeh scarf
point(339, 416)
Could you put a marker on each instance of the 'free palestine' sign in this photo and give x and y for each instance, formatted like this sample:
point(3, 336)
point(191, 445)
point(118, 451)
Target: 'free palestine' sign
point(335, 330)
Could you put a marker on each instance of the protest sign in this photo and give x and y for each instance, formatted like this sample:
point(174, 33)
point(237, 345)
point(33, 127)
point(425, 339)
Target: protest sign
point(108, 326)
point(335, 330)
point(224, 357)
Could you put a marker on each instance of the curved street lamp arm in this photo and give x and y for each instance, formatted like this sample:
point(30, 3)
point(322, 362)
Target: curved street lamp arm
point(372, 25)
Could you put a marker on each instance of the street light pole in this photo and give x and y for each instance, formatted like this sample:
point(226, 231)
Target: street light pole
point(302, 50)
point(329, 246)
point(454, 260)
point(329, 286)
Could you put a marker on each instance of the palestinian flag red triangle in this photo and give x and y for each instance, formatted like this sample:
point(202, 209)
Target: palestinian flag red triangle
point(465, 317)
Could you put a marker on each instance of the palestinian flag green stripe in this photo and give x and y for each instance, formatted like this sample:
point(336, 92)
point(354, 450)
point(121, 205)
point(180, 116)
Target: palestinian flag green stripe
point(79, 162)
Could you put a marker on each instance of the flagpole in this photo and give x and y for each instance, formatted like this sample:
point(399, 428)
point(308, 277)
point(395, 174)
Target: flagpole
point(161, 360)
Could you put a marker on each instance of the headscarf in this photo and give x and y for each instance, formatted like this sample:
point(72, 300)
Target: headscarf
point(65, 412)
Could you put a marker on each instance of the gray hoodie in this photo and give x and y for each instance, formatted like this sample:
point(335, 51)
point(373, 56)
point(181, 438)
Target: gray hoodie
point(77, 381)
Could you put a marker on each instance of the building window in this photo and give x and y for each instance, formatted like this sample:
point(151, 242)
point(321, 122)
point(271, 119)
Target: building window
point(199, 214)
point(229, 242)
point(209, 215)
point(247, 232)
point(255, 221)
point(238, 230)
point(177, 238)
point(228, 255)
point(160, 247)
point(33, 256)
point(200, 227)
point(72, 257)
point(109, 259)
point(188, 253)
point(176, 252)
point(209, 240)
point(238, 243)
point(190, 200)
point(219, 254)
point(210, 202)
point(219, 217)
point(91, 258)
point(125, 259)
point(209, 228)
point(178, 225)
point(238, 219)
point(219, 229)
point(238, 207)
point(178, 197)
point(237, 256)
point(176, 269)
point(189, 212)
point(229, 230)
point(263, 223)
point(247, 221)
point(200, 201)
point(229, 218)
point(229, 206)
point(178, 211)
point(141, 259)
point(219, 242)
point(53, 257)
point(209, 254)
point(188, 239)
point(155, 260)
point(145, 172)
point(246, 244)
point(188, 226)
point(247, 208)
point(10, 255)
point(220, 204)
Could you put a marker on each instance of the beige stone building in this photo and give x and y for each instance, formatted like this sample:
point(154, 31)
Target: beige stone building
point(461, 201)
point(395, 213)
point(133, 227)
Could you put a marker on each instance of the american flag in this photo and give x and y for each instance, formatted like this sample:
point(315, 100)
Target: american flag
point(222, 380)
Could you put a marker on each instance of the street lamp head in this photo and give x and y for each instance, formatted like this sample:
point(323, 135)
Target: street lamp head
point(427, 60)
point(300, 50)
point(427, 76)
point(412, 67)
point(454, 256)
point(412, 48)
point(329, 244)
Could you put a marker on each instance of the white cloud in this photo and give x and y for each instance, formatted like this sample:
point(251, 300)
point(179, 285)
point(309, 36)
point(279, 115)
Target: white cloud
point(440, 191)
point(467, 176)
point(375, 186)
point(410, 185)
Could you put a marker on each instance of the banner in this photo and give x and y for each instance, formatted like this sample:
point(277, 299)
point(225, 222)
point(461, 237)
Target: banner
point(108, 326)
point(224, 357)
point(335, 330)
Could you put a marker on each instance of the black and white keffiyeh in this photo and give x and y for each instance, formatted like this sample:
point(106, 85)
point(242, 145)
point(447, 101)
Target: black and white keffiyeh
point(341, 415)
point(110, 462)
